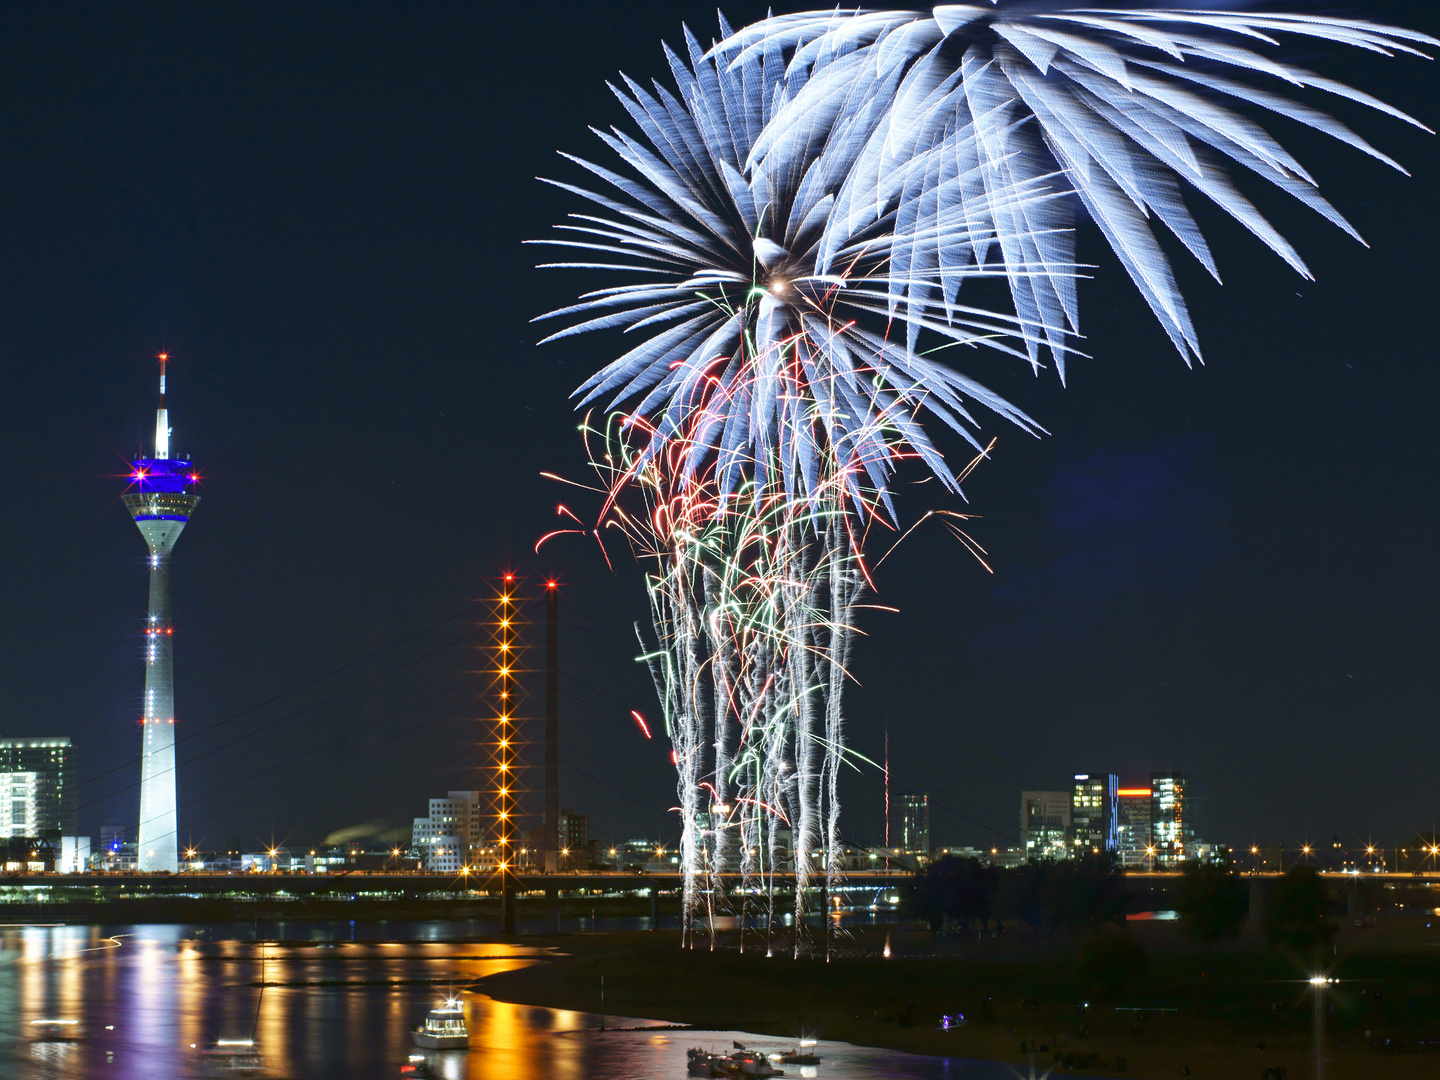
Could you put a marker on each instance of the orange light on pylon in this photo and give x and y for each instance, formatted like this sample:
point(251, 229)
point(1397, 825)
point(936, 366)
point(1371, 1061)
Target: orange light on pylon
point(502, 782)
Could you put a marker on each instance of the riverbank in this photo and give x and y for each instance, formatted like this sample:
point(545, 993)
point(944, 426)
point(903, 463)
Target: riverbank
point(1232, 1012)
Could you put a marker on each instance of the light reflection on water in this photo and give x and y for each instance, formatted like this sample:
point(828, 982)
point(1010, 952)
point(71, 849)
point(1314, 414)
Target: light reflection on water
point(149, 998)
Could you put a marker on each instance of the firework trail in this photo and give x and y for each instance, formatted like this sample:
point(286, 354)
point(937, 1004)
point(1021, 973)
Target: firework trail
point(750, 604)
point(796, 221)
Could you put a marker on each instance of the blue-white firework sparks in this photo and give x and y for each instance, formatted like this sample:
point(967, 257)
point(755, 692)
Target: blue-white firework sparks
point(1127, 107)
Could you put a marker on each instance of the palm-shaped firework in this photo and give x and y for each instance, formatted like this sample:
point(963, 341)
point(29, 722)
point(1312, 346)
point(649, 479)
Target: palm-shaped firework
point(793, 233)
point(750, 351)
point(1125, 106)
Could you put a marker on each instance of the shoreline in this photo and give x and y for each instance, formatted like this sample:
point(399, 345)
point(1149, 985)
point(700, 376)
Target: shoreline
point(1225, 1014)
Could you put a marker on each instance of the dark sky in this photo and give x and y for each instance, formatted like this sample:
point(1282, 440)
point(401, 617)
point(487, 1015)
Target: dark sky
point(318, 211)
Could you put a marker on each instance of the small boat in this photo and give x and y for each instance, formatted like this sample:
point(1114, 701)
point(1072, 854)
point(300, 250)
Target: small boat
point(702, 1062)
point(740, 1063)
point(749, 1063)
point(416, 1068)
point(54, 1030)
point(233, 1057)
point(444, 1028)
point(804, 1054)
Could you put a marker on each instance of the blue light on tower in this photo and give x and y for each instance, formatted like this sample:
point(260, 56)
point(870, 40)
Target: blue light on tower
point(161, 501)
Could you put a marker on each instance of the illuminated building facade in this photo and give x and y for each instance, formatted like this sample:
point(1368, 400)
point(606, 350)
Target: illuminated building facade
point(17, 804)
point(161, 499)
point(450, 837)
point(52, 793)
point(1172, 831)
point(1045, 824)
point(910, 825)
point(1093, 813)
point(1133, 826)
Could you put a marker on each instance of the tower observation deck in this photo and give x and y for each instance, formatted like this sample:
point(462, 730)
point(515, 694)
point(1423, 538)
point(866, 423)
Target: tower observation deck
point(161, 499)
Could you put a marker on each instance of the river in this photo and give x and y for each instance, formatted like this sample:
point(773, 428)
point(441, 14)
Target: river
point(339, 1002)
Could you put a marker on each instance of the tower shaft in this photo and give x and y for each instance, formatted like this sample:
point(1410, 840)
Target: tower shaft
point(158, 847)
point(161, 516)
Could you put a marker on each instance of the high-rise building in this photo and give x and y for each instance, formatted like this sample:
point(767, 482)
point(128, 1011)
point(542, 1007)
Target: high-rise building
point(574, 840)
point(161, 500)
point(910, 825)
point(1045, 824)
point(1093, 813)
point(450, 837)
point(1133, 826)
point(1172, 831)
point(51, 786)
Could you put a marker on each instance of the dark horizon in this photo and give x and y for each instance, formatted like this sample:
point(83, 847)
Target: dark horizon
point(319, 216)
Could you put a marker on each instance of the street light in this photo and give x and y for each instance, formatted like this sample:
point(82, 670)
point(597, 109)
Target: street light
point(1318, 983)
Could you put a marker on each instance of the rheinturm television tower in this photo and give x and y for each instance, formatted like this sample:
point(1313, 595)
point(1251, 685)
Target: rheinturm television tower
point(161, 501)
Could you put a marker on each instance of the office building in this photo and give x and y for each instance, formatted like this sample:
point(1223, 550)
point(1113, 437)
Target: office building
point(1093, 813)
point(574, 840)
point(1172, 832)
point(1045, 824)
point(161, 499)
point(1132, 829)
point(42, 769)
point(450, 837)
point(74, 855)
point(910, 825)
point(17, 804)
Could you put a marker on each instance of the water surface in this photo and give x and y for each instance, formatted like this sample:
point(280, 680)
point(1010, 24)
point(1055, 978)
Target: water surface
point(147, 999)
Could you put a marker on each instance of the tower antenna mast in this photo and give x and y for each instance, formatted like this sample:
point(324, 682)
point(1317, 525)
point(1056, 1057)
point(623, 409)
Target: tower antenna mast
point(162, 417)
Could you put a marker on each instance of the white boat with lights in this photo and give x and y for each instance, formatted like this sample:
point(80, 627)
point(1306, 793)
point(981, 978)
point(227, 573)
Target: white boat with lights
point(444, 1028)
point(233, 1057)
point(54, 1030)
point(804, 1054)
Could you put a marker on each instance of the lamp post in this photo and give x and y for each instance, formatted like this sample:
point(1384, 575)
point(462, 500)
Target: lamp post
point(1318, 983)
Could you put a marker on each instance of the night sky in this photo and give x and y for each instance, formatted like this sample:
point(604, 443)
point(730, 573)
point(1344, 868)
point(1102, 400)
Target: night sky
point(318, 211)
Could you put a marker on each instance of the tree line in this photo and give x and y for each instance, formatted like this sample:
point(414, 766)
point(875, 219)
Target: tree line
point(1084, 895)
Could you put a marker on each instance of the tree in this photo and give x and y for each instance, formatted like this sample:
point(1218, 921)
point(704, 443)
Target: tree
point(1020, 893)
point(1212, 900)
point(960, 889)
point(975, 897)
point(1083, 894)
point(1110, 961)
point(1295, 917)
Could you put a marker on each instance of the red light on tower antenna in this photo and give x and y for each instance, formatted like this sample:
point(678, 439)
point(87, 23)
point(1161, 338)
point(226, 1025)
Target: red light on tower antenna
point(550, 584)
point(164, 356)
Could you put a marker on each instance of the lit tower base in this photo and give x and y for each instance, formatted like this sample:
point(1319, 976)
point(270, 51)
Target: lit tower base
point(161, 502)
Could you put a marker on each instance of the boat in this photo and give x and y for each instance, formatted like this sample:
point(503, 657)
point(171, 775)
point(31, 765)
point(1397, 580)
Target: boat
point(752, 1063)
point(233, 1057)
point(444, 1028)
point(804, 1054)
point(702, 1062)
point(239, 1057)
point(54, 1030)
point(740, 1063)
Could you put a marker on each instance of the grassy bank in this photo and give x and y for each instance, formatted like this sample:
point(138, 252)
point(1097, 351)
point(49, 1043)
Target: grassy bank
point(1232, 1012)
